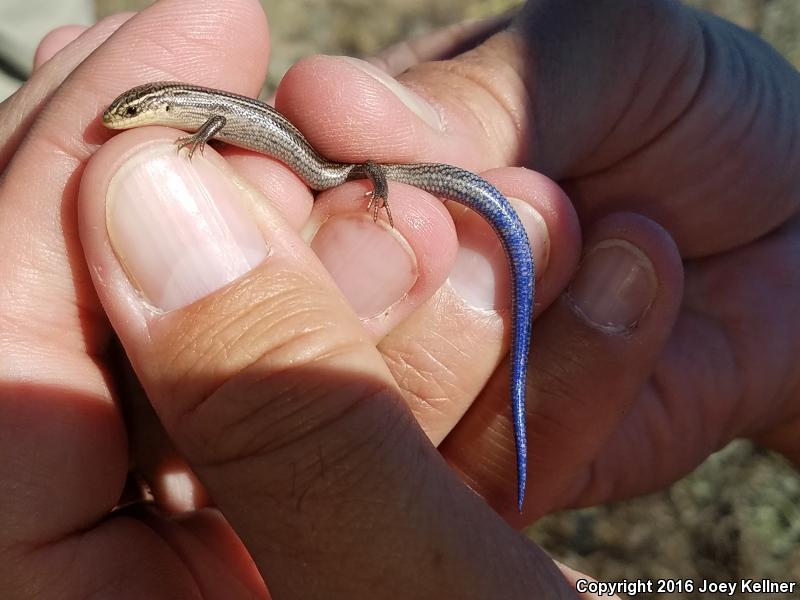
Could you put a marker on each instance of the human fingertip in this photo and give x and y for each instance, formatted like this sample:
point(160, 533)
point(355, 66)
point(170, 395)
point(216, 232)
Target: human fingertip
point(54, 41)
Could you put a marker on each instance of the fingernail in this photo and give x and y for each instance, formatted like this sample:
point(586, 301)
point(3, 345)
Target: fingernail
point(180, 228)
point(481, 272)
point(373, 267)
point(615, 285)
point(182, 491)
point(413, 101)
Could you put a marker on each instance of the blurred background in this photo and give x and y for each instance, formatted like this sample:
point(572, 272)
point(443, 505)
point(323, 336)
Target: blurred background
point(738, 515)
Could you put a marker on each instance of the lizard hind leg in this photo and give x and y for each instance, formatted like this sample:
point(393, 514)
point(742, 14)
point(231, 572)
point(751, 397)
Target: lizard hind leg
point(379, 194)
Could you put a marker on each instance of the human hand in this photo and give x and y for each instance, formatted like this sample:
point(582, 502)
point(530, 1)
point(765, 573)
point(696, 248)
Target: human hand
point(261, 373)
point(654, 109)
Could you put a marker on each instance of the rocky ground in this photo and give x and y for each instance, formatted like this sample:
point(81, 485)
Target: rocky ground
point(738, 515)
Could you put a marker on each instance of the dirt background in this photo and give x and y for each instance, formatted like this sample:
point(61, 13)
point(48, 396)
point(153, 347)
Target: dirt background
point(738, 515)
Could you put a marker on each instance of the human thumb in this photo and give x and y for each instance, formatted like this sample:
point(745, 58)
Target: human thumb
point(267, 383)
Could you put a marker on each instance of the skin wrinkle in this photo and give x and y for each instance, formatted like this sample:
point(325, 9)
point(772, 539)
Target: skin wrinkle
point(661, 399)
point(300, 341)
point(595, 484)
point(149, 37)
point(759, 81)
point(178, 552)
point(785, 187)
point(599, 485)
point(755, 100)
point(716, 54)
point(696, 430)
point(246, 321)
point(123, 581)
point(681, 115)
point(585, 483)
point(559, 384)
point(633, 98)
point(439, 404)
point(645, 68)
point(488, 127)
point(262, 443)
point(204, 24)
point(430, 376)
point(737, 50)
point(794, 133)
point(246, 324)
point(722, 355)
point(791, 389)
point(387, 432)
point(70, 545)
point(294, 525)
point(305, 346)
point(754, 84)
point(83, 542)
point(12, 325)
point(48, 349)
point(682, 71)
point(209, 355)
point(512, 79)
point(542, 424)
point(429, 356)
point(399, 366)
point(102, 590)
point(450, 344)
point(51, 143)
point(379, 435)
point(738, 398)
point(652, 475)
point(650, 23)
point(204, 30)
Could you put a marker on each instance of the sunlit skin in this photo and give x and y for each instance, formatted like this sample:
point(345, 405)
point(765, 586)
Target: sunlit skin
point(315, 449)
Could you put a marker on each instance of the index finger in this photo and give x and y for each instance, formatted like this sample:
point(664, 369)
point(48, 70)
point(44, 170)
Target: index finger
point(52, 326)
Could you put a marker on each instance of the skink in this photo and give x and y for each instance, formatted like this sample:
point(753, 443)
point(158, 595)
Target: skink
point(213, 114)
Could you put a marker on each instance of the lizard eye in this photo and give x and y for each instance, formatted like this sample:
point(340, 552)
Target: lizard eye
point(131, 111)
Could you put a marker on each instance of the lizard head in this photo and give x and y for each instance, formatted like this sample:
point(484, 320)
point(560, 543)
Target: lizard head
point(148, 104)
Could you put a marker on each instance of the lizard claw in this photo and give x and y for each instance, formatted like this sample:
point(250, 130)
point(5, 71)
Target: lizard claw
point(376, 203)
point(192, 142)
